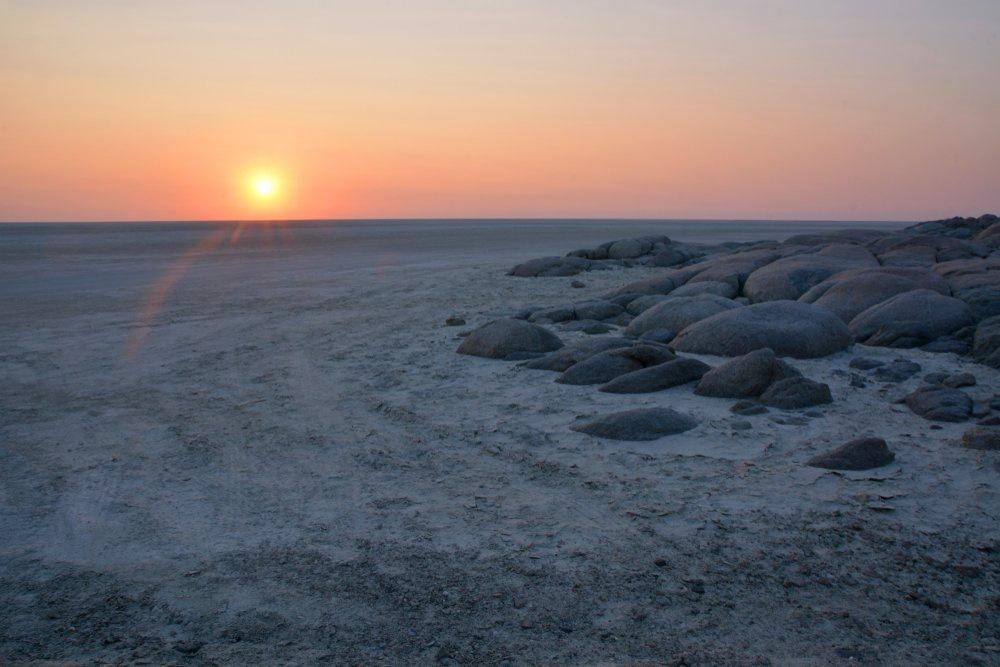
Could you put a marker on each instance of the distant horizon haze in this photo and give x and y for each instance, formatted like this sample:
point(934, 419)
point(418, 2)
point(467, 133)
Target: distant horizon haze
point(439, 109)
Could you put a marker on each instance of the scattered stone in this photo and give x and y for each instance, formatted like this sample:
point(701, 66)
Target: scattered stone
point(796, 392)
point(940, 404)
point(606, 366)
point(662, 336)
point(865, 363)
point(910, 319)
point(454, 321)
point(790, 328)
point(656, 378)
point(935, 378)
point(676, 312)
point(857, 381)
point(747, 408)
point(741, 425)
point(960, 380)
point(588, 326)
point(503, 338)
point(637, 425)
point(745, 376)
point(565, 357)
point(982, 437)
point(576, 284)
point(857, 454)
point(897, 371)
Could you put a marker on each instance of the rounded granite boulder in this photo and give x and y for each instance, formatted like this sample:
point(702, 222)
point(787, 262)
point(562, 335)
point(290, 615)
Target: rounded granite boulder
point(638, 424)
point(911, 319)
point(789, 328)
point(675, 313)
point(501, 339)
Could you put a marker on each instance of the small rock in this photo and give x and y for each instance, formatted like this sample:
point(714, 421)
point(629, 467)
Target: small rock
point(982, 437)
point(940, 404)
point(660, 562)
point(857, 454)
point(989, 421)
point(960, 380)
point(857, 381)
point(981, 408)
point(865, 363)
point(658, 377)
point(796, 392)
point(577, 284)
point(188, 647)
point(637, 425)
point(897, 371)
point(741, 425)
point(747, 408)
point(935, 378)
point(454, 321)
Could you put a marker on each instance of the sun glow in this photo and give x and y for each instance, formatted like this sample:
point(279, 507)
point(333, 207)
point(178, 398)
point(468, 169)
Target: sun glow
point(264, 187)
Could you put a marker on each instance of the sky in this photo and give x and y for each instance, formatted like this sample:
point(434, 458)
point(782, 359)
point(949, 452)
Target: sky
point(764, 109)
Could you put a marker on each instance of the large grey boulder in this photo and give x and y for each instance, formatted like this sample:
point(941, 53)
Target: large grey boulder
point(733, 268)
point(676, 312)
point(502, 339)
point(551, 266)
point(638, 424)
point(790, 328)
point(857, 454)
point(746, 376)
point(849, 293)
point(910, 319)
point(643, 303)
point(726, 290)
point(791, 277)
point(941, 404)
point(606, 366)
point(658, 377)
point(796, 392)
point(596, 310)
point(986, 343)
point(565, 357)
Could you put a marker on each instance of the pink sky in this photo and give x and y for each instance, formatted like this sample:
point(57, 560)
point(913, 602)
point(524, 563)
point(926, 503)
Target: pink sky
point(162, 110)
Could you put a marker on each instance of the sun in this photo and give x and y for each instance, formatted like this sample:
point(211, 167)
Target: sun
point(264, 187)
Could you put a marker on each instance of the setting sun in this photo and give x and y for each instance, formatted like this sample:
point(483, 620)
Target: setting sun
point(264, 187)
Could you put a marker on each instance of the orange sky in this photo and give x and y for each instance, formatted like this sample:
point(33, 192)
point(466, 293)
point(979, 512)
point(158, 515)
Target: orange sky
point(117, 110)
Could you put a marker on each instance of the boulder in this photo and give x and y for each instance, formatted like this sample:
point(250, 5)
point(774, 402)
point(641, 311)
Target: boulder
point(675, 313)
point(638, 424)
point(942, 404)
point(587, 326)
point(747, 408)
point(733, 268)
point(982, 437)
point(550, 266)
point(865, 364)
point(606, 366)
point(596, 310)
point(662, 283)
point(796, 392)
point(554, 314)
point(791, 277)
point(662, 336)
point(506, 338)
point(725, 290)
point(565, 357)
point(643, 303)
point(910, 319)
point(745, 376)
point(790, 328)
point(986, 342)
point(960, 380)
point(853, 292)
point(857, 454)
point(657, 378)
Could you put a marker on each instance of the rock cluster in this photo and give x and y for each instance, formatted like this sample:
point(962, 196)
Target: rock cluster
point(935, 285)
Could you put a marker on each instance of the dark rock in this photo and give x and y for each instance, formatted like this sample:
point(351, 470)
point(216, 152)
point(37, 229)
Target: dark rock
point(910, 319)
point(454, 321)
point(573, 353)
point(980, 408)
point(989, 421)
point(550, 266)
point(947, 344)
point(858, 454)
point(596, 310)
point(554, 314)
point(791, 277)
point(986, 344)
point(638, 424)
point(675, 313)
point(577, 284)
point(940, 404)
point(935, 378)
point(740, 425)
point(982, 437)
point(796, 392)
point(606, 366)
point(587, 326)
point(865, 364)
point(896, 371)
point(960, 380)
point(858, 381)
point(656, 378)
point(697, 288)
point(662, 336)
point(849, 293)
point(745, 376)
point(790, 328)
point(643, 303)
point(502, 338)
point(747, 408)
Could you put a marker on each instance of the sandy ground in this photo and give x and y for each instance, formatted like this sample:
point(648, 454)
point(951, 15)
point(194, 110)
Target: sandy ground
point(304, 471)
